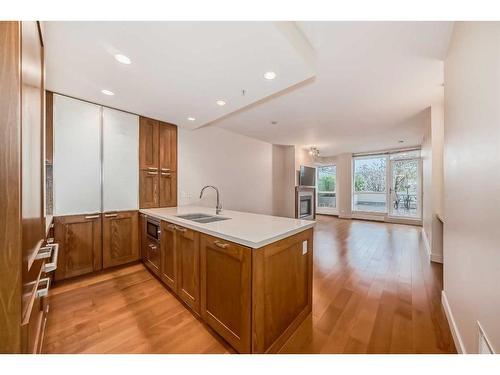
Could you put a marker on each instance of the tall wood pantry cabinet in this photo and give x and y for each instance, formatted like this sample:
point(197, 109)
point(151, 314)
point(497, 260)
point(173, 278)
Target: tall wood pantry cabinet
point(157, 164)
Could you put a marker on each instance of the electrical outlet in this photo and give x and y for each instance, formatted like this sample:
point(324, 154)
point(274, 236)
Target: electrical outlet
point(304, 247)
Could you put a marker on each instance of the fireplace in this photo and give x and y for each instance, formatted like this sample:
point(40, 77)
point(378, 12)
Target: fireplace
point(305, 203)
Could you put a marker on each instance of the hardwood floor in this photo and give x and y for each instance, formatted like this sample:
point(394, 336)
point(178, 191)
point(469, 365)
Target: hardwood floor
point(374, 291)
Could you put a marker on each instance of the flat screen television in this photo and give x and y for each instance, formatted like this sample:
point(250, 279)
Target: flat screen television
point(307, 176)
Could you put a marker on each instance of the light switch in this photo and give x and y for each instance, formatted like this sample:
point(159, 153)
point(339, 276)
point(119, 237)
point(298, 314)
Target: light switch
point(304, 247)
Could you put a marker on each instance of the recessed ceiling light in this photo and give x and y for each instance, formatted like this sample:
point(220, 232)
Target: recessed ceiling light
point(107, 92)
point(269, 75)
point(191, 119)
point(123, 59)
point(401, 141)
point(220, 102)
point(274, 122)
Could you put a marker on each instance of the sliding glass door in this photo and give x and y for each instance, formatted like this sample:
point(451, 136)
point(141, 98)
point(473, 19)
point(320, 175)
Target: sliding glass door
point(405, 187)
point(388, 185)
point(369, 185)
point(326, 196)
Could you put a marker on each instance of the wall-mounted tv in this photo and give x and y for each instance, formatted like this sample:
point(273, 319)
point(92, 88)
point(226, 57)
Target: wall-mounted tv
point(307, 176)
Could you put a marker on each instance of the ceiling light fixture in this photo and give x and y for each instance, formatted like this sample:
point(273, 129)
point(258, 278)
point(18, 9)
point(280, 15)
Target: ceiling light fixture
point(401, 141)
point(191, 119)
point(107, 92)
point(314, 152)
point(269, 75)
point(123, 59)
point(274, 122)
point(220, 102)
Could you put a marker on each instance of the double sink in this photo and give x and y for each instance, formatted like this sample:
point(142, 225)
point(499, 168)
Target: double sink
point(202, 218)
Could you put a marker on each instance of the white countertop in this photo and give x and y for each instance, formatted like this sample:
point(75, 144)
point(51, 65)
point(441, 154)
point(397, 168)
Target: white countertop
point(252, 230)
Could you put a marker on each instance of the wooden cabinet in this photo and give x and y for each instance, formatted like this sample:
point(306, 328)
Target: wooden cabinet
point(157, 164)
point(148, 144)
point(79, 239)
point(187, 244)
point(226, 282)
point(120, 242)
point(148, 189)
point(168, 268)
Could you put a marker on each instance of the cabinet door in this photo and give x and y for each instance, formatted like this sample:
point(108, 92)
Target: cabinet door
point(144, 237)
point(148, 189)
point(168, 189)
point(188, 266)
point(152, 259)
point(77, 157)
point(168, 147)
point(226, 290)
point(168, 269)
point(148, 144)
point(79, 239)
point(120, 160)
point(120, 238)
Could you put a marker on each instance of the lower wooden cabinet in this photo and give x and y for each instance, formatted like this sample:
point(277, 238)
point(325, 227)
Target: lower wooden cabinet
point(187, 244)
point(79, 239)
point(120, 240)
point(226, 287)
point(168, 256)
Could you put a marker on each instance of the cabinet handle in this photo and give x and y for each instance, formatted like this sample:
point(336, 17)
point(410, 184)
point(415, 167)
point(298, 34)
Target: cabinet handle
point(181, 229)
point(165, 169)
point(110, 215)
point(45, 290)
point(49, 251)
point(165, 174)
point(152, 173)
point(91, 217)
point(152, 247)
point(152, 169)
point(221, 245)
point(171, 226)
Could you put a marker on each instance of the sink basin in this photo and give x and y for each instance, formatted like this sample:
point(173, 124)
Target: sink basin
point(210, 219)
point(202, 218)
point(193, 216)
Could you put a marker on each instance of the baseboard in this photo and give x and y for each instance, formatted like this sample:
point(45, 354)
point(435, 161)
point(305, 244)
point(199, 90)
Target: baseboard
point(437, 258)
point(459, 345)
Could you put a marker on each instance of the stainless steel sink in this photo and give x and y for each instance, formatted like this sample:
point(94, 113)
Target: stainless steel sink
point(202, 218)
point(193, 216)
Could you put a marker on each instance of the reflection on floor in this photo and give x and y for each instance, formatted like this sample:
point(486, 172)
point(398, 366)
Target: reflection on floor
point(374, 292)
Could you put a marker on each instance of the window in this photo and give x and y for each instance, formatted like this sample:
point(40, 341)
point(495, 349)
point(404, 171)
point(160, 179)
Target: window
point(326, 181)
point(369, 185)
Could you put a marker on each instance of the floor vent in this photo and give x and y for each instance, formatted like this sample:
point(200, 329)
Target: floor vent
point(484, 344)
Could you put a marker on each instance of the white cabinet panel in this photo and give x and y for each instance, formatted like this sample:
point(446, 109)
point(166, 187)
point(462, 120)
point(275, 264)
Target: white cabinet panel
point(77, 157)
point(120, 161)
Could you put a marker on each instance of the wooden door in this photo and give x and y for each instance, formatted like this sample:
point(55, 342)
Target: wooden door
point(79, 239)
point(168, 269)
point(187, 244)
point(120, 238)
point(168, 189)
point(226, 290)
point(168, 147)
point(148, 144)
point(148, 189)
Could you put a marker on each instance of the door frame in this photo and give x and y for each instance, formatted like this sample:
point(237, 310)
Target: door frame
point(326, 210)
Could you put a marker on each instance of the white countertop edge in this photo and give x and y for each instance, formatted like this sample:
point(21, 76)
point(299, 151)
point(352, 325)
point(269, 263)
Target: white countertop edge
point(254, 245)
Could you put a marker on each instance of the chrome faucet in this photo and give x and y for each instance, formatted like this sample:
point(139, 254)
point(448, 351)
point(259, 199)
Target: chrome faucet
point(218, 208)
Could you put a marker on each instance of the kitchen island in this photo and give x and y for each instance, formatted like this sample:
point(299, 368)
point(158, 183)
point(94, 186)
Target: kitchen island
point(248, 276)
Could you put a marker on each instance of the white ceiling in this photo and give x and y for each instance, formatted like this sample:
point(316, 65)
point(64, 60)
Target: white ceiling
point(179, 69)
point(341, 86)
point(373, 80)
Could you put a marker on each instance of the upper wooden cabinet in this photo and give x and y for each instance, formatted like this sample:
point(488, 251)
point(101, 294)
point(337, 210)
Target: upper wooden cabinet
point(79, 239)
point(120, 240)
point(148, 144)
point(168, 147)
point(157, 164)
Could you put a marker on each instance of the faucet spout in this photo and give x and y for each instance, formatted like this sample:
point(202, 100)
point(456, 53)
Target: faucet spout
point(218, 208)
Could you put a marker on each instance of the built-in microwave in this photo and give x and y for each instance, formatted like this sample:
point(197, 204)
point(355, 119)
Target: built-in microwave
point(153, 229)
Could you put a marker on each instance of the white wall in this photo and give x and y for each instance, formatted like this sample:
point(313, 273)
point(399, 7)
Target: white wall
point(472, 182)
point(241, 167)
point(432, 180)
